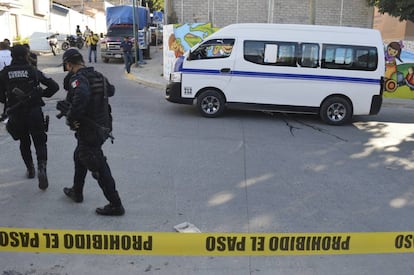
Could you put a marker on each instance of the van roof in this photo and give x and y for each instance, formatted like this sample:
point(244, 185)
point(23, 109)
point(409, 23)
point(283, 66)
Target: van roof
point(293, 26)
point(307, 32)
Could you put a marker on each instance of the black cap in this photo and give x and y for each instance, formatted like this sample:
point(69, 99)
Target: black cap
point(19, 51)
point(70, 54)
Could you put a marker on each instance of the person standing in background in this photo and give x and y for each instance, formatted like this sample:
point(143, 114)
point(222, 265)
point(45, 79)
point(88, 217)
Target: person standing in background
point(126, 47)
point(7, 41)
point(87, 32)
point(92, 42)
point(78, 31)
point(5, 55)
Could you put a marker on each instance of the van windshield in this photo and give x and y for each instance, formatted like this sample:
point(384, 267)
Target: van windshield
point(214, 48)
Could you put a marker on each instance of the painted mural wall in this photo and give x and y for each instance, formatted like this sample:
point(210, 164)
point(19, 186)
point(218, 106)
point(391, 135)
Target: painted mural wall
point(399, 69)
point(179, 38)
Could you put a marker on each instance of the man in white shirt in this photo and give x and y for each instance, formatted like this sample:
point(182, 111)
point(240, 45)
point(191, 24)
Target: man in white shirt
point(5, 55)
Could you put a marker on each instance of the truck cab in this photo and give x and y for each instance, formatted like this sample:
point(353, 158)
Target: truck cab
point(120, 23)
point(110, 45)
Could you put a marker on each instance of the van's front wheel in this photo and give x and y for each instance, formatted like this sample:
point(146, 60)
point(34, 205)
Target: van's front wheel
point(210, 103)
point(336, 111)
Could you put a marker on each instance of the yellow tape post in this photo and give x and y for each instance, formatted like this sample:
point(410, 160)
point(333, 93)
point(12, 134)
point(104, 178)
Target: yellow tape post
point(203, 244)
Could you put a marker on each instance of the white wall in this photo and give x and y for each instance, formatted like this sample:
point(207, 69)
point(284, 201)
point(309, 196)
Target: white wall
point(66, 23)
point(37, 28)
point(5, 26)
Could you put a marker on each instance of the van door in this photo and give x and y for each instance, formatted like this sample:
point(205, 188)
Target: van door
point(264, 72)
point(208, 65)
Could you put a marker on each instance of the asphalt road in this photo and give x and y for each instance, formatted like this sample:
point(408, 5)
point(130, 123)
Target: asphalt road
point(243, 172)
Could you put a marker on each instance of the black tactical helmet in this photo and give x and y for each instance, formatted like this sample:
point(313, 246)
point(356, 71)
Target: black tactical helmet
point(19, 52)
point(71, 55)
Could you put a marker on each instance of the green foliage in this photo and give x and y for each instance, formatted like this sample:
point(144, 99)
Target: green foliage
point(403, 9)
point(19, 40)
point(154, 5)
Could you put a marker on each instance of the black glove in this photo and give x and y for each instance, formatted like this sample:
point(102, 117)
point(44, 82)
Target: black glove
point(73, 124)
point(63, 106)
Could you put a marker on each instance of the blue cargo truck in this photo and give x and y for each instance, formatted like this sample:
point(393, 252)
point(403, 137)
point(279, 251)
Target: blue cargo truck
point(119, 23)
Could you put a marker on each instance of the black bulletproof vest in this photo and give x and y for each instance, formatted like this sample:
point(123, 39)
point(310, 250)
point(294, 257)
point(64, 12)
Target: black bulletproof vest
point(22, 76)
point(98, 108)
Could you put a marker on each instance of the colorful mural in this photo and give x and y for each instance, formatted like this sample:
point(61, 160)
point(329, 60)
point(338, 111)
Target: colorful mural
point(181, 38)
point(399, 71)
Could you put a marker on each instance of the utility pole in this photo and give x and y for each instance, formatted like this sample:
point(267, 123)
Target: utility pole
point(134, 28)
point(312, 8)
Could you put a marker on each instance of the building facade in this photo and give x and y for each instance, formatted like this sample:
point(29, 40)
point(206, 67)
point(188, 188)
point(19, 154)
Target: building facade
point(392, 28)
point(34, 20)
point(355, 13)
point(21, 18)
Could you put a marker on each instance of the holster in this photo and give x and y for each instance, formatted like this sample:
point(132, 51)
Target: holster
point(15, 127)
point(46, 123)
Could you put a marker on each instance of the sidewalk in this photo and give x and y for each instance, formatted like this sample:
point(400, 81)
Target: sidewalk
point(150, 74)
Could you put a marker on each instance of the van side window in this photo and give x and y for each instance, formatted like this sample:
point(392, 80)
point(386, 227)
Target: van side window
point(270, 53)
point(253, 51)
point(309, 56)
point(347, 57)
point(215, 48)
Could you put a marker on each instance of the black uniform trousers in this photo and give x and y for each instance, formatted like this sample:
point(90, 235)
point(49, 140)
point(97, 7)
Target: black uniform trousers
point(84, 155)
point(33, 128)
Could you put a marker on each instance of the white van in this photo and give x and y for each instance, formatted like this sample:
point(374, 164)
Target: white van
point(336, 72)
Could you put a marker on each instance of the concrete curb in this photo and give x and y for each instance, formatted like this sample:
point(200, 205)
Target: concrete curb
point(145, 82)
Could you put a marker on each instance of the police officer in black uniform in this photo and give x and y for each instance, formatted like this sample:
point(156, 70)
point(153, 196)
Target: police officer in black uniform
point(21, 93)
point(88, 113)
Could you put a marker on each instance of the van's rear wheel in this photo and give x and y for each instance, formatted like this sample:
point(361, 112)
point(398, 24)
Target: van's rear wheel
point(210, 103)
point(336, 111)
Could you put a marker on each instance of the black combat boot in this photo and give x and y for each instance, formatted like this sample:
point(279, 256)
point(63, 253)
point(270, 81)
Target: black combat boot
point(30, 173)
point(42, 175)
point(114, 208)
point(111, 210)
point(76, 197)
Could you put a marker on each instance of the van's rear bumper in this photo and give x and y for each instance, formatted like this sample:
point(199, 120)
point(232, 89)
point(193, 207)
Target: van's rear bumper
point(173, 94)
point(376, 104)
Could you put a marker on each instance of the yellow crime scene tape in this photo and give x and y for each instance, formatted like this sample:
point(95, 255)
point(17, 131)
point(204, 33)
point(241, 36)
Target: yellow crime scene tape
point(203, 244)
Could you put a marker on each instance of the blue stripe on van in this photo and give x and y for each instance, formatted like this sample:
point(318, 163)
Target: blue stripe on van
point(284, 75)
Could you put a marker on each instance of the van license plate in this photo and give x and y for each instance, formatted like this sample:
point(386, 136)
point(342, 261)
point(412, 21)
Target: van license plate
point(118, 56)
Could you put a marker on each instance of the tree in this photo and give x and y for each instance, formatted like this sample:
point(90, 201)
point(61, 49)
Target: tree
point(154, 5)
point(403, 9)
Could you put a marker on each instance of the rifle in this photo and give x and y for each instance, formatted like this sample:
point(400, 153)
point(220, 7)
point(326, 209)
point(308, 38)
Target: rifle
point(63, 106)
point(22, 98)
